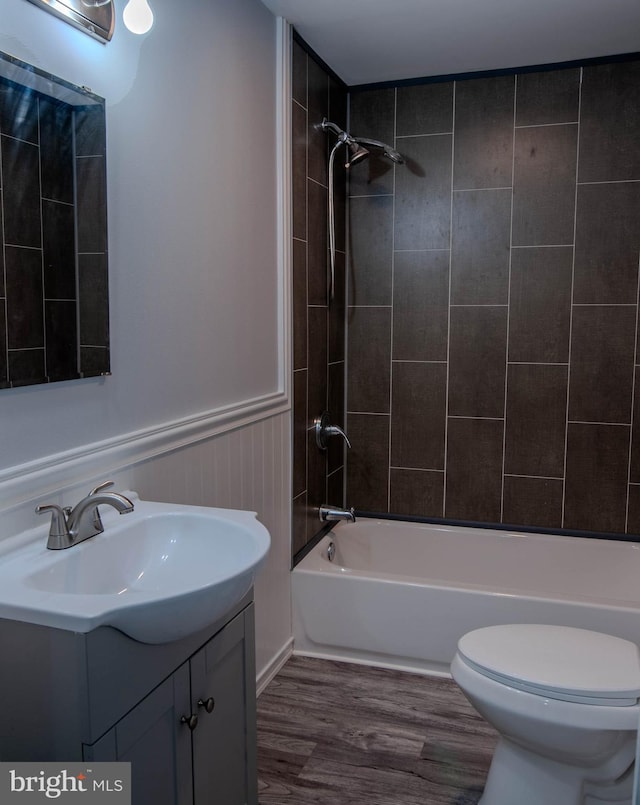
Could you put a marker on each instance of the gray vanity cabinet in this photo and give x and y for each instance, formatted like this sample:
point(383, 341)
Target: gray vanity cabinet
point(178, 760)
point(183, 714)
point(156, 744)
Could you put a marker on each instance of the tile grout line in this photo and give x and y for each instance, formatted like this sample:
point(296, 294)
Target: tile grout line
point(449, 290)
point(393, 243)
point(573, 276)
point(506, 352)
point(633, 399)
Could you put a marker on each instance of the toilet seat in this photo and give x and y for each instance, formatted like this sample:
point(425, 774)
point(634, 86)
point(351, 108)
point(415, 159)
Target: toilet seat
point(556, 662)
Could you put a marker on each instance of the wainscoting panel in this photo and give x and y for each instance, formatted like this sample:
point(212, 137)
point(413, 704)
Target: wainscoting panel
point(246, 467)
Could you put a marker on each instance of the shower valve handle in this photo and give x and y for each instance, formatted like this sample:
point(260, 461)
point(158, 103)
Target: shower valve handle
point(324, 430)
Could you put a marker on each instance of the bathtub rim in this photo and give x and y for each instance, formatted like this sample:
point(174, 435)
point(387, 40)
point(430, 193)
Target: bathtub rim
point(314, 562)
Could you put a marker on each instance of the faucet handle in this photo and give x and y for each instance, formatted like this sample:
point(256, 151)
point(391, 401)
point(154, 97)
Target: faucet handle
point(58, 531)
point(101, 487)
point(324, 430)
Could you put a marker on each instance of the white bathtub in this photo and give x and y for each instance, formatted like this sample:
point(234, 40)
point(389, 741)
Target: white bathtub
point(401, 594)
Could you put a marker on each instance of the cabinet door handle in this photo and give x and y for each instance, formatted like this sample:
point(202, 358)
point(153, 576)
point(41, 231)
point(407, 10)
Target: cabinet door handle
point(190, 721)
point(208, 704)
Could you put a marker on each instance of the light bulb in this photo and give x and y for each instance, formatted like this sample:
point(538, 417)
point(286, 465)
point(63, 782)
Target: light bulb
point(138, 16)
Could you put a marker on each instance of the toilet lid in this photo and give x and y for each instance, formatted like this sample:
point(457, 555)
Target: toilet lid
point(557, 661)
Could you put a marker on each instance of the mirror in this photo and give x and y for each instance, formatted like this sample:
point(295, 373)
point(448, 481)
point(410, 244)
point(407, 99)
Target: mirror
point(54, 308)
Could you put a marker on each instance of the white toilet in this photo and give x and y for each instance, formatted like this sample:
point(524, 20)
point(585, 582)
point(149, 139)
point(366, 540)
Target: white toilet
point(566, 704)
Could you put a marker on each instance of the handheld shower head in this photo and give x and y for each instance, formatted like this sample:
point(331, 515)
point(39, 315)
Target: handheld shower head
point(354, 144)
point(356, 152)
point(387, 150)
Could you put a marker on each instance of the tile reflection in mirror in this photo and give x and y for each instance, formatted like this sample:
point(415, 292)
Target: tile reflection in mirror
point(54, 316)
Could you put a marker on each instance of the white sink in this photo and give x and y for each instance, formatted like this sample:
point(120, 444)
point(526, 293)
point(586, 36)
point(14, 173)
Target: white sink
point(158, 574)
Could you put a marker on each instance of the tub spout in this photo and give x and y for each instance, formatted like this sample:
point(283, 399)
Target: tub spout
point(329, 513)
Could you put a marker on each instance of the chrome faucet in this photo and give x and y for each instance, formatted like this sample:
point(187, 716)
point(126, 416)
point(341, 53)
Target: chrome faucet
point(329, 513)
point(70, 526)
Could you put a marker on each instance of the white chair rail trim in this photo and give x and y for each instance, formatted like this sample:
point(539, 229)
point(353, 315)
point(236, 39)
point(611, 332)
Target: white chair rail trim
point(48, 474)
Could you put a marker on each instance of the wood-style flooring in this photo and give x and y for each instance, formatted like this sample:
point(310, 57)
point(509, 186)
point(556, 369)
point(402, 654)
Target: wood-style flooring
point(334, 733)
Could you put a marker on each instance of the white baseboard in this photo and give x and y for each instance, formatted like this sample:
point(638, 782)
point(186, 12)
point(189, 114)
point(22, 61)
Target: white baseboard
point(267, 674)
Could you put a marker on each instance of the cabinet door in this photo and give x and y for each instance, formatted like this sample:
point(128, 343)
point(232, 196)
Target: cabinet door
point(224, 742)
point(156, 744)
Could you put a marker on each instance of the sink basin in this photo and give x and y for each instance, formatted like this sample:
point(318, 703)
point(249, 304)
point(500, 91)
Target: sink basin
point(158, 574)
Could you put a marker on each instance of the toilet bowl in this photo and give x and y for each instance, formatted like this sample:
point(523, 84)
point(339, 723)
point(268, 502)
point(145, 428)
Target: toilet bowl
point(565, 702)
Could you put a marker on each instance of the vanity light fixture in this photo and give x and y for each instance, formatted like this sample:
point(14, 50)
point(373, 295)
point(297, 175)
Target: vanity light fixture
point(94, 17)
point(138, 16)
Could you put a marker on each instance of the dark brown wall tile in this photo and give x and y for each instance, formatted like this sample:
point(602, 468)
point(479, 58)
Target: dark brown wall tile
point(540, 308)
point(337, 311)
point(336, 446)
point(474, 470)
point(299, 281)
point(369, 359)
point(477, 361)
point(552, 96)
point(424, 109)
point(607, 243)
point(372, 116)
point(335, 488)
point(338, 103)
point(318, 394)
point(634, 476)
point(633, 514)
point(368, 462)
point(317, 90)
point(480, 247)
point(609, 123)
point(371, 252)
point(596, 480)
point(417, 493)
point(371, 176)
point(602, 354)
point(317, 254)
point(300, 517)
point(317, 150)
point(471, 301)
point(299, 170)
point(299, 74)
point(423, 194)
point(318, 327)
point(316, 479)
point(484, 133)
point(3, 347)
point(419, 410)
point(300, 425)
point(533, 502)
point(544, 185)
point(420, 306)
point(536, 420)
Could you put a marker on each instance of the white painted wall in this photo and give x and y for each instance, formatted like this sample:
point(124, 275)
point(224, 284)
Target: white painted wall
point(191, 160)
point(197, 409)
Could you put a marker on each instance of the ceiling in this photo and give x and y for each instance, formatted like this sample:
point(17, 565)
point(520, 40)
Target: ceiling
point(370, 41)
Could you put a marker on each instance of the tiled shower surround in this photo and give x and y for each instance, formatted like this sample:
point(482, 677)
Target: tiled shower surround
point(319, 327)
point(493, 301)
